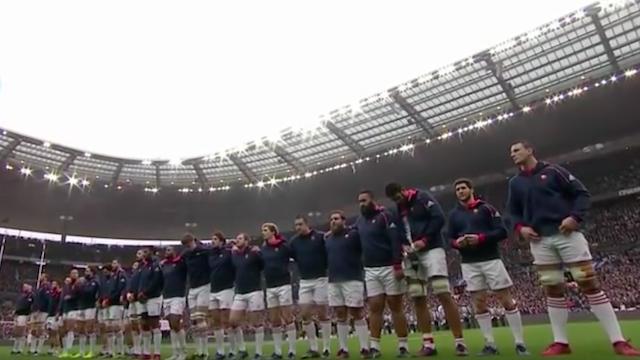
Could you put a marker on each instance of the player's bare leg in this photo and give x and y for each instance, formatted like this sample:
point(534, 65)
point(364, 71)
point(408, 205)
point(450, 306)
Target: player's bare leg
point(341, 315)
point(479, 299)
point(441, 289)
point(423, 318)
point(256, 318)
point(360, 325)
point(306, 313)
point(236, 319)
point(376, 308)
point(399, 322)
point(215, 319)
point(288, 319)
point(322, 314)
point(584, 274)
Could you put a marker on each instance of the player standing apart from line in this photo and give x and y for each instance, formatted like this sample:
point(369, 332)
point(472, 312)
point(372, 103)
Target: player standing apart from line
point(196, 258)
point(475, 229)
point(423, 220)
point(150, 297)
point(276, 255)
point(382, 256)
point(346, 285)
point(89, 294)
point(22, 312)
point(309, 252)
point(248, 266)
point(39, 314)
point(174, 273)
point(547, 205)
point(221, 298)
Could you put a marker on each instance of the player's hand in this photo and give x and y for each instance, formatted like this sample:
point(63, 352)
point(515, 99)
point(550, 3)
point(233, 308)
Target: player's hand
point(568, 225)
point(130, 297)
point(398, 272)
point(419, 244)
point(461, 242)
point(105, 303)
point(472, 239)
point(407, 249)
point(141, 297)
point(529, 234)
point(255, 249)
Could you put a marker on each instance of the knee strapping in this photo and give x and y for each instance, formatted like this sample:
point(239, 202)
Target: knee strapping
point(416, 288)
point(440, 286)
point(551, 277)
point(583, 273)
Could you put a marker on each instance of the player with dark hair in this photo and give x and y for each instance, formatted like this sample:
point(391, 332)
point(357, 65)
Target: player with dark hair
point(276, 255)
point(39, 314)
point(382, 257)
point(548, 204)
point(53, 318)
point(174, 273)
point(71, 305)
point(309, 252)
point(150, 296)
point(346, 285)
point(115, 305)
point(135, 307)
point(22, 311)
point(475, 229)
point(89, 291)
point(221, 298)
point(248, 297)
point(196, 258)
point(423, 220)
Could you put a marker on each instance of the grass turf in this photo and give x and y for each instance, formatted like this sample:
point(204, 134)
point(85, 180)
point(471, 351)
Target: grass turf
point(588, 341)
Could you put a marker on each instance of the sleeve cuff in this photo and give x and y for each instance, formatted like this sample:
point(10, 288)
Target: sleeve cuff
point(518, 227)
point(397, 266)
point(482, 238)
point(422, 241)
point(454, 244)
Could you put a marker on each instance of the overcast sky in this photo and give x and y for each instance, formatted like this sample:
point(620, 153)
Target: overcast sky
point(173, 79)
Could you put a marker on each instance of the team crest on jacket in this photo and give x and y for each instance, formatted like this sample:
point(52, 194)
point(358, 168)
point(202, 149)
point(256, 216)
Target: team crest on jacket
point(475, 211)
point(543, 177)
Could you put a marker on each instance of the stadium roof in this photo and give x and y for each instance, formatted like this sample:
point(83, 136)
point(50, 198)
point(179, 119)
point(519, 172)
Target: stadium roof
point(511, 77)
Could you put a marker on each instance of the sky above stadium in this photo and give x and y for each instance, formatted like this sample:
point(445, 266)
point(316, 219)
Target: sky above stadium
point(174, 79)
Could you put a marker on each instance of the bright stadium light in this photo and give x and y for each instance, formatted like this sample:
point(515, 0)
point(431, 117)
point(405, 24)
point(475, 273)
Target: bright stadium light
point(146, 162)
point(52, 177)
point(87, 154)
point(84, 182)
point(73, 180)
point(46, 144)
point(26, 171)
point(157, 104)
point(260, 184)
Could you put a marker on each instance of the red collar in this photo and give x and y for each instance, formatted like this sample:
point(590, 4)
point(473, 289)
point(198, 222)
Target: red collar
point(173, 260)
point(275, 241)
point(473, 204)
point(529, 171)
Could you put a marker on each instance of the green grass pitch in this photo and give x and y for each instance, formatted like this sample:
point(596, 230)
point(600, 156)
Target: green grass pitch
point(588, 341)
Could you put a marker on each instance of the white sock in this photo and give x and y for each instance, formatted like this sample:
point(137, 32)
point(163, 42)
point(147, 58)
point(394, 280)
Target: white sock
point(22, 344)
point(558, 316)
point(515, 323)
point(325, 326)
point(16, 343)
point(198, 341)
point(310, 330)
point(111, 343)
point(343, 333)
point(374, 343)
point(259, 339)
point(92, 343)
point(82, 343)
point(174, 342)
point(182, 341)
point(363, 333)
point(40, 346)
point(205, 343)
point(402, 343)
point(427, 341)
point(219, 336)
point(602, 309)
point(240, 339)
point(70, 338)
point(137, 340)
point(484, 320)
point(292, 337)
point(146, 342)
point(33, 345)
point(277, 340)
point(120, 342)
point(233, 343)
point(157, 341)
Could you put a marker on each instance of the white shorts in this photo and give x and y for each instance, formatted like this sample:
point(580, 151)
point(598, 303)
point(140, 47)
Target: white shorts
point(558, 249)
point(485, 275)
point(38, 317)
point(114, 312)
point(133, 310)
point(381, 280)
point(199, 297)
point(432, 263)
point(141, 308)
point(347, 293)
point(74, 315)
point(53, 323)
point(89, 314)
point(102, 315)
point(279, 296)
point(221, 300)
point(253, 301)
point(153, 306)
point(21, 320)
point(314, 291)
point(173, 306)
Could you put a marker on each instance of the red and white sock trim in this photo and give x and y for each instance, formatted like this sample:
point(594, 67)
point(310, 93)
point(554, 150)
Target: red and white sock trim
point(512, 312)
point(559, 303)
point(483, 315)
point(597, 299)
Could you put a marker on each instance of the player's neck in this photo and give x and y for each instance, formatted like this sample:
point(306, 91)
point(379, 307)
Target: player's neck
point(529, 165)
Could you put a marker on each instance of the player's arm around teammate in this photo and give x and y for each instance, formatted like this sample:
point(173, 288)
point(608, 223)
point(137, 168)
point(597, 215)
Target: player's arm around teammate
point(382, 256)
point(475, 229)
point(547, 204)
